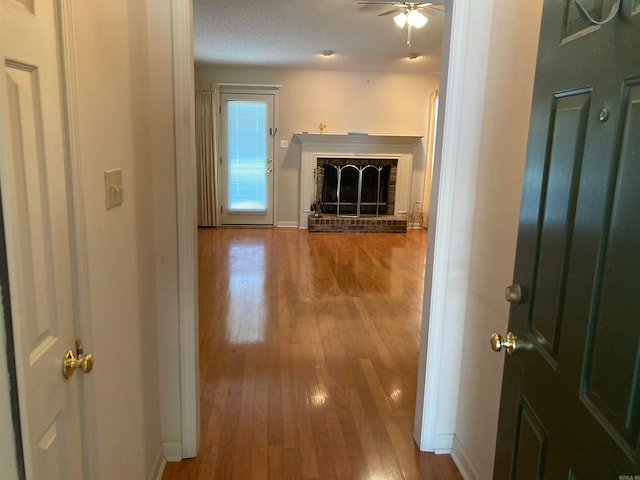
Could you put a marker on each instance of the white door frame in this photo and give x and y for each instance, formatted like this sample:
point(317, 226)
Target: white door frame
point(186, 180)
point(465, 50)
point(463, 78)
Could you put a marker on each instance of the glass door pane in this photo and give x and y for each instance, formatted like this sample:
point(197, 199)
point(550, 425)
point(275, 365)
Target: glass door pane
point(246, 158)
point(247, 155)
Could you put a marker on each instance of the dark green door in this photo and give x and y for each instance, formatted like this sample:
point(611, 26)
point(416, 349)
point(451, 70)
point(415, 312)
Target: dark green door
point(570, 406)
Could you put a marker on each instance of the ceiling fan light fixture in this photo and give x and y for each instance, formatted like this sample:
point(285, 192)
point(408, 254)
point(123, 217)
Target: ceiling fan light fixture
point(327, 53)
point(400, 19)
point(416, 19)
point(413, 55)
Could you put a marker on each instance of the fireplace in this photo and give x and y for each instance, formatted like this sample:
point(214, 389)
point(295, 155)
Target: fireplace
point(361, 161)
point(355, 187)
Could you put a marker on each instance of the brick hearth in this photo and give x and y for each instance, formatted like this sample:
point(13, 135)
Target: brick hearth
point(381, 224)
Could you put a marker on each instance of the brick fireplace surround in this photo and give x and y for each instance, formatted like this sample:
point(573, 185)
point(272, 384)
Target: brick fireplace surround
point(327, 146)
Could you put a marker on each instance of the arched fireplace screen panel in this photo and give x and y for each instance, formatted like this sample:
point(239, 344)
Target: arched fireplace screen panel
point(357, 187)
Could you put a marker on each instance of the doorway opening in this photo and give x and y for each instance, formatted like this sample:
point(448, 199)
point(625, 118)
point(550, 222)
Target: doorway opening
point(458, 60)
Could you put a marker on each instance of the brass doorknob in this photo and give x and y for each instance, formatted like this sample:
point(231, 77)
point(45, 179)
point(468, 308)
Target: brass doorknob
point(510, 344)
point(269, 170)
point(70, 363)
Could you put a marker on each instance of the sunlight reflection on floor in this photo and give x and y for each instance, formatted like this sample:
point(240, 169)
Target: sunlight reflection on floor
point(246, 316)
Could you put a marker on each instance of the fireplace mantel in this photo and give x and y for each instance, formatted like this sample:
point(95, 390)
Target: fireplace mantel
point(315, 145)
point(356, 139)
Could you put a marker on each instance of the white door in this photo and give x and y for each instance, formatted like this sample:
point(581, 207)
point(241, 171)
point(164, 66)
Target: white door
point(36, 212)
point(246, 168)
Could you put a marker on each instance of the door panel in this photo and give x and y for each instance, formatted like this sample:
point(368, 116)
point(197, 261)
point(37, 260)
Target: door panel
point(576, 23)
point(562, 173)
point(570, 398)
point(247, 159)
point(610, 379)
point(34, 201)
point(530, 446)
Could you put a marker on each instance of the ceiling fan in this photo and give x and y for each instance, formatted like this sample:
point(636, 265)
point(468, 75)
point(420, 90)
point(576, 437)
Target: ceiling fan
point(407, 13)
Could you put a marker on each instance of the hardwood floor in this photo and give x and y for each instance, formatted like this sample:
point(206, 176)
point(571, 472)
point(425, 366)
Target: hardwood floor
point(309, 357)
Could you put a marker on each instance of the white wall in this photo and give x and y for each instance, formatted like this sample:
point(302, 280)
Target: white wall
point(114, 132)
point(501, 157)
point(372, 102)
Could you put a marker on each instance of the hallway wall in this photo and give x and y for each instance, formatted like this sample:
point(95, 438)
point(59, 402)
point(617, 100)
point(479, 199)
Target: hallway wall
point(123, 427)
point(501, 157)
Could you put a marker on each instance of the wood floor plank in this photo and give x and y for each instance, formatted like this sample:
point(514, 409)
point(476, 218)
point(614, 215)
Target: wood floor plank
point(309, 349)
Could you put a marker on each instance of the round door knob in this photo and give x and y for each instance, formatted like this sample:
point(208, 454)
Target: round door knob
point(510, 343)
point(70, 363)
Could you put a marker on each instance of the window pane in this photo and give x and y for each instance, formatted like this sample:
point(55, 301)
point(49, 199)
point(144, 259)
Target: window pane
point(247, 148)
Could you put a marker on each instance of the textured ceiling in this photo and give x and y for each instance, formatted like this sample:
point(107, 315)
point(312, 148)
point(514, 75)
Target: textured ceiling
point(292, 33)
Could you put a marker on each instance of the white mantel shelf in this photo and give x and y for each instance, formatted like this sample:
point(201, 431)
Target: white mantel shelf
point(323, 145)
point(357, 139)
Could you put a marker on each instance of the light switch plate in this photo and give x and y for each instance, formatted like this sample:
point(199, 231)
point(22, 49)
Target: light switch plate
point(113, 187)
point(284, 143)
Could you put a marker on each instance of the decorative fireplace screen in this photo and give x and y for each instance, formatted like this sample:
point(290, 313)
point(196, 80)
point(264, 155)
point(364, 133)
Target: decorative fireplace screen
point(350, 187)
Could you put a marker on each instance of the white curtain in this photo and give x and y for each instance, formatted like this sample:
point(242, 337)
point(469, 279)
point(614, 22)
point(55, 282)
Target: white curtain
point(428, 174)
point(207, 107)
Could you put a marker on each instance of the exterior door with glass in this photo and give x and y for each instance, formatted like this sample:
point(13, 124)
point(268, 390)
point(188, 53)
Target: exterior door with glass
point(246, 161)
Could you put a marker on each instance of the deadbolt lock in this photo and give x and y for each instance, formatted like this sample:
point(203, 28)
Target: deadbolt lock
point(513, 293)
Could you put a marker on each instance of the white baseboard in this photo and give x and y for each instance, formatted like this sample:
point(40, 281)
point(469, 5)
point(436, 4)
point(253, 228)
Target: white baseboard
point(287, 224)
point(415, 226)
point(172, 451)
point(461, 460)
point(442, 444)
point(158, 466)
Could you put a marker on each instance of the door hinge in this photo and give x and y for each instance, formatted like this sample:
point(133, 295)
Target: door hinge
point(220, 109)
point(220, 160)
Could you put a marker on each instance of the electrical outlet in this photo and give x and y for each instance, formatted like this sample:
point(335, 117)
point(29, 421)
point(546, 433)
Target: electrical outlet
point(113, 187)
point(284, 143)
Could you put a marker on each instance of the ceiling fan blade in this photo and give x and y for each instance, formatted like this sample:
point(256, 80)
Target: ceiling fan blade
point(395, 4)
point(389, 12)
point(435, 8)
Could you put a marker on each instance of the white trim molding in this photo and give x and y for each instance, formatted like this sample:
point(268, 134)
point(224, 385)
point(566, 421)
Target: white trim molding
point(184, 125)
point(459, 457)
point(452, 203)
point(78, 237)
point(172, 451)
point(287, 224)
point(158, 466)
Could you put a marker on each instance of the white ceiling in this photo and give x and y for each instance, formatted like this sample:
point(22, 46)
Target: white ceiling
point(292, 33)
